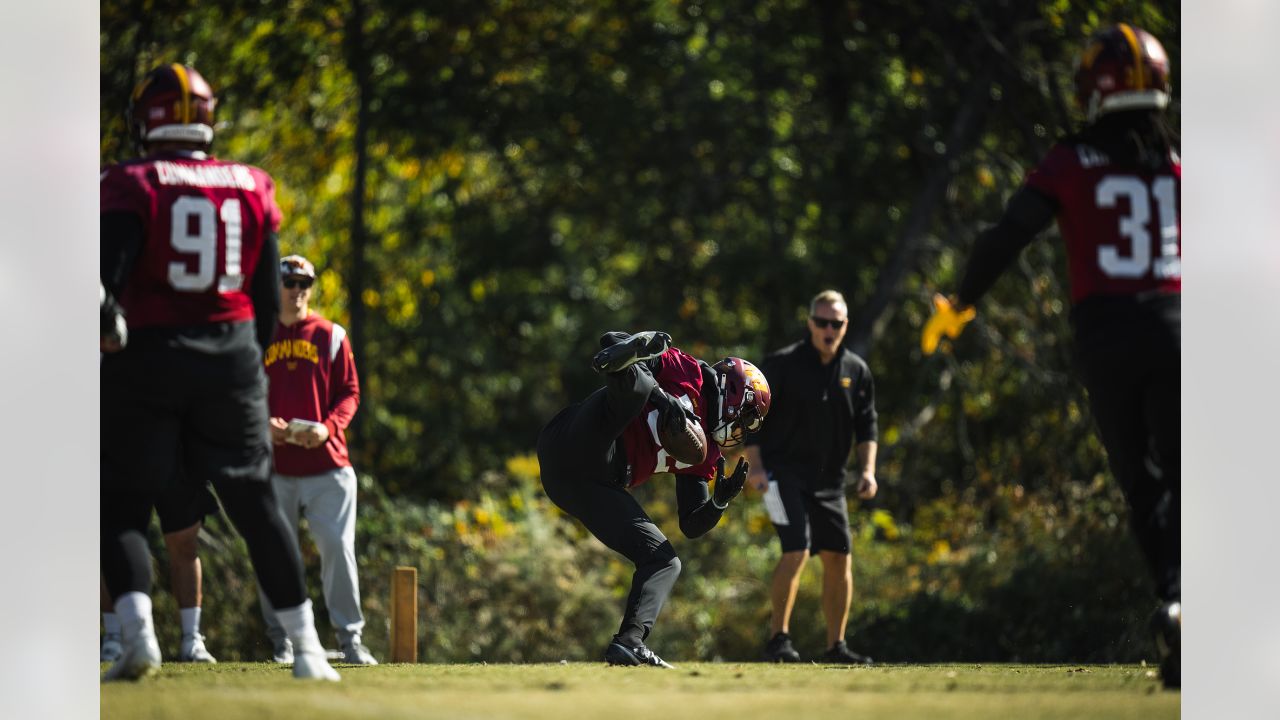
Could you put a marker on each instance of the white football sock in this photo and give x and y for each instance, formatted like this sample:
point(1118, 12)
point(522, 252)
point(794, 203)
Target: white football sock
point(190, 620)
point(134, 611)
point(299, 623)
point(111, 623)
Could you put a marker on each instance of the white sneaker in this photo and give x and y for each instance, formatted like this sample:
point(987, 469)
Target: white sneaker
point(354, 653)
point(111, 648)
point(282, 652)
point(141, 658)
point(313, 666)
point(193, 650)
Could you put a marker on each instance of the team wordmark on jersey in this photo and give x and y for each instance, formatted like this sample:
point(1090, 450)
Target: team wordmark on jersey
point(207, 176)
point(295, 349)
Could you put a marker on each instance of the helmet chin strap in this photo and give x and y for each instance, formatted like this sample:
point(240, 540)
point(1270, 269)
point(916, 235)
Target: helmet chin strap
point(724, 434)
point(723, 430)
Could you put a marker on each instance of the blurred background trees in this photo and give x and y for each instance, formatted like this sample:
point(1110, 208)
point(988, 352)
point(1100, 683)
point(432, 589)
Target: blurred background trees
point(486, 186)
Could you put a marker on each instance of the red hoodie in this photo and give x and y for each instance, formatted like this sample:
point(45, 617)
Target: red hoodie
point(312, 376)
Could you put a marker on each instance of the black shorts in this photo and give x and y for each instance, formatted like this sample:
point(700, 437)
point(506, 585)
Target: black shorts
point(193, 407)
point(807, 520)
point(184, 505)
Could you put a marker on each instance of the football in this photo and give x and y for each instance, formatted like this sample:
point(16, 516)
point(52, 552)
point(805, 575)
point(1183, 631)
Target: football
point(688, 444)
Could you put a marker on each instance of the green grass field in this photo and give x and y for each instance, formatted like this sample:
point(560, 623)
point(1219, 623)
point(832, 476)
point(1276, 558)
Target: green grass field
point(694, 690)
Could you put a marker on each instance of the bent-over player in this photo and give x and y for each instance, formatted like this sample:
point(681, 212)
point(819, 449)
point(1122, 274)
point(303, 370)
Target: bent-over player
point(591, 452)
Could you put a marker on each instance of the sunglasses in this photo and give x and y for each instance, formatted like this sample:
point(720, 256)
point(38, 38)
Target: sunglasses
point(826, 323)
point(303, 283)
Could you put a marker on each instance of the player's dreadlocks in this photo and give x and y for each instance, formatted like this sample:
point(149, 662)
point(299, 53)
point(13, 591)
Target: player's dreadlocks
point(1141, 138)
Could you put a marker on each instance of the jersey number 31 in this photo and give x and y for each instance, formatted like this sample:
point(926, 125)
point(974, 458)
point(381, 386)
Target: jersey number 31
point(1137, 261)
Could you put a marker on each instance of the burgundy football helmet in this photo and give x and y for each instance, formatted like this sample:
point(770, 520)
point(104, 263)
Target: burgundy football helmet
point(1122, 68)
point(744, 400)
point(172, 103)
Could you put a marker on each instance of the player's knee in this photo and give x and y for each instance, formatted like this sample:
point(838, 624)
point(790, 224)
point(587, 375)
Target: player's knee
point(329, 542)
point(665, 559)
point(182, 544)
point(674, 566)
point(794, 557)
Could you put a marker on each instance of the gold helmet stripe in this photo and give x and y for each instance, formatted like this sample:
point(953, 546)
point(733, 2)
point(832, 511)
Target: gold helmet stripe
point(1140, 67)
point(185, 81)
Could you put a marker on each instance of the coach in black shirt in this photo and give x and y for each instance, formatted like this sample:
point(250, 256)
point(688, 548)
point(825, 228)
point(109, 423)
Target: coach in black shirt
point(823, 401)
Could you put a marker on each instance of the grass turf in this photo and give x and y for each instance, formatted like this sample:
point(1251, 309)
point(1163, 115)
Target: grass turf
point(694, 690)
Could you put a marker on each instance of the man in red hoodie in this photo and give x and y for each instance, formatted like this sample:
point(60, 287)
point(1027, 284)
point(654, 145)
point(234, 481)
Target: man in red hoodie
point(313, 396)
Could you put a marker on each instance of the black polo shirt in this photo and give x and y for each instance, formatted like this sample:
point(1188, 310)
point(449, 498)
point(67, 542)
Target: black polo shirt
point(818, 412)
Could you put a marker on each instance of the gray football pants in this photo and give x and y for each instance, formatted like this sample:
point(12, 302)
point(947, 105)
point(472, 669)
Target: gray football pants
point(328, 502)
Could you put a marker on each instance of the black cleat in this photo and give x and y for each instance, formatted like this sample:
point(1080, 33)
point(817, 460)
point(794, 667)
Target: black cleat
point(639, 347)
point(619, 654)
point(840, 654)
point(1166, 625)
point(612, 338)
point(779, 650)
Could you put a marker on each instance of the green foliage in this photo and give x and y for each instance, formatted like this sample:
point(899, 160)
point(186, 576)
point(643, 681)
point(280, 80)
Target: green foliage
point(540, 172)
point(1013, 576)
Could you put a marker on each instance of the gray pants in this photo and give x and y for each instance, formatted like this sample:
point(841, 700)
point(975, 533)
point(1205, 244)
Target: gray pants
point(328, 502)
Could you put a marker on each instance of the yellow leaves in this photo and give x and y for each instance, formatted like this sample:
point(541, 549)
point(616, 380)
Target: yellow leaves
point(477, 290)
point(940, 552)
point(883, 521)
point(696, 45)
point(524, 467)
point(409, 169)
point(985, 177)
point(758, 523)
point(428, 278)
point(917, 76)
point(371, 297)
point(512, 76)
point(688, 308)
point(453, 162)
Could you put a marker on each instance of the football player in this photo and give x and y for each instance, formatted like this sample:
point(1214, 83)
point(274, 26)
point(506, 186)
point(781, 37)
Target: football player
point(190, 266)
point(591, 452)
point(1114, 188)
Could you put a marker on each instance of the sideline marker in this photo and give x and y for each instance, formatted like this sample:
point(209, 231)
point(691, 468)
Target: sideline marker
point(404, 615)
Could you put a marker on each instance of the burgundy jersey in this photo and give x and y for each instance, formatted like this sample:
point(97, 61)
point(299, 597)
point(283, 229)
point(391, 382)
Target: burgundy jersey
point(1122, 226)
point(204, 225)
point(312, 376)
point(681, 376)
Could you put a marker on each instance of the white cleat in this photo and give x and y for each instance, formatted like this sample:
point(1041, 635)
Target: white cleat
point(313, 666)
point(282, 652)
point(194, 651)
point(141, 657)
point(112, 649)
point(355, 653)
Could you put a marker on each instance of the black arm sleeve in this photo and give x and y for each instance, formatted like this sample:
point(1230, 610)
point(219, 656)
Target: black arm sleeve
point(265, 291)
point(1028, 213)
point(693, 501)
point(121, 240)
point(865, 421)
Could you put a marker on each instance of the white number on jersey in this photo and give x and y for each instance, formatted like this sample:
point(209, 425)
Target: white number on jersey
point(1137, 262)
point(188, 212)
point(665, 462)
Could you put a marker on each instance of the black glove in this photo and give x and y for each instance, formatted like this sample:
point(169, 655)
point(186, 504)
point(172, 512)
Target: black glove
point(672, 413)
point(727, 488)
